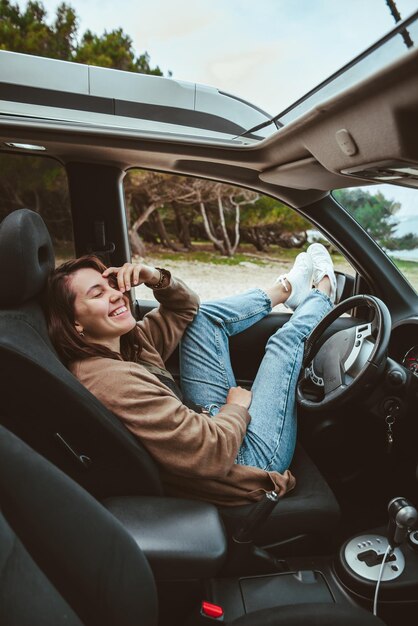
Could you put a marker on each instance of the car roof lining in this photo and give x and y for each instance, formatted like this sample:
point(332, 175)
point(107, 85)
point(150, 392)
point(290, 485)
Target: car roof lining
point(298, 164)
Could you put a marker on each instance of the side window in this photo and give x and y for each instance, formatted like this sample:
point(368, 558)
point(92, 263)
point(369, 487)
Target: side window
point(39, 184)
point(389, 214)
point(218, 238)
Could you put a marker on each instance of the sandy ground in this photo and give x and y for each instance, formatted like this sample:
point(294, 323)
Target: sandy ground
point(212, 281)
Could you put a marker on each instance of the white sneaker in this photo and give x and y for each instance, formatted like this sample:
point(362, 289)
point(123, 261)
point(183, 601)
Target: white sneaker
point(300, 279)
point(322, 266)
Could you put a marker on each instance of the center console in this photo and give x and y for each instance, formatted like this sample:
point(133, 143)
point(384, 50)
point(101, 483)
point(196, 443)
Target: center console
point(377, 569)
point(347, 580)
point(185, 540)
point(359, 563)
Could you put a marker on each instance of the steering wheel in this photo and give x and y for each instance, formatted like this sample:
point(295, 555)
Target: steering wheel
point(348, 362)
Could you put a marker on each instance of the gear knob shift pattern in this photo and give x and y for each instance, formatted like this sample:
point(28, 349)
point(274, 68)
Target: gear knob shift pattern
point(402, 517)
point(365, 554)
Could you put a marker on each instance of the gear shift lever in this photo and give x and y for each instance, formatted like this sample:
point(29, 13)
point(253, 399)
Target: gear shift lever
point(402, 516)
point(366, 553)
point(376, 558)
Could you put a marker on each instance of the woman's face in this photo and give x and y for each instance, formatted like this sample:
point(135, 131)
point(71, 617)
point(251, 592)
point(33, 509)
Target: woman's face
point(101, 312)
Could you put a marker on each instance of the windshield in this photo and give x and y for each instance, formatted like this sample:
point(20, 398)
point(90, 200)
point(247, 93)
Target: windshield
point(389, 214)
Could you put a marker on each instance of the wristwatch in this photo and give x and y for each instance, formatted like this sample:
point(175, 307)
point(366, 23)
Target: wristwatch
point(165, 277)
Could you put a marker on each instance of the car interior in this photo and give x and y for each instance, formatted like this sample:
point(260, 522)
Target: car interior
point(88, 535)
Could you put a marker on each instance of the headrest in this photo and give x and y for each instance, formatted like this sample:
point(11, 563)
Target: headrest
point(26, 257)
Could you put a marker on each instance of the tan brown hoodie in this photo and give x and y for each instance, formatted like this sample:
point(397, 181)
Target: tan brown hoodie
point(196, 453)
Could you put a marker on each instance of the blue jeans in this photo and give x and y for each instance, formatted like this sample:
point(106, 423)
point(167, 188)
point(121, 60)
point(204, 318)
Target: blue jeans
point(206, 373)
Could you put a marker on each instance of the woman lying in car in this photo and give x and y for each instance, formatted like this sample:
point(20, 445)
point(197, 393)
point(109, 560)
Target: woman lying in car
point(213, 440)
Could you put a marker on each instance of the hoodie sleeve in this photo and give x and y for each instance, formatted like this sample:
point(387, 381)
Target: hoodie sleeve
point(180, 439)
point(164, 326)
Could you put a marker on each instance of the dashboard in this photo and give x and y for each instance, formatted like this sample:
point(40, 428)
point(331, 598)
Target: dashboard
point(403, 346)
point(410, 360)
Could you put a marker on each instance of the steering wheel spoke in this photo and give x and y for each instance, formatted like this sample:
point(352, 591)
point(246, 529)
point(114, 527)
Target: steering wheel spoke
point(361, 350)
point(348, 359)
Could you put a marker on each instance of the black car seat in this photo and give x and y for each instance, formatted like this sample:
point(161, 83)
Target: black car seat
point(64, 559)
point(44, 404)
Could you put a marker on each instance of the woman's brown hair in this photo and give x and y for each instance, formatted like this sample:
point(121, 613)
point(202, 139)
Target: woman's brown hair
point(59, 309)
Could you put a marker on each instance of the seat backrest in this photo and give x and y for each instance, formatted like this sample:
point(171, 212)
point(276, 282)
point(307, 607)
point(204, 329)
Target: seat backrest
point(26, 595)
point(63, 558)
point(42, 402)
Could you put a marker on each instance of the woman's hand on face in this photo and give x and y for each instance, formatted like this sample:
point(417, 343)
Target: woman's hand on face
point(132, 274)
point(240, 396)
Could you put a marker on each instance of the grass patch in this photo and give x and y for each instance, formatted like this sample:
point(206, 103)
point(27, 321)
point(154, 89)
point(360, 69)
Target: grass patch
point(409, 269)
point(247, 253)
point(404, 265)
point(206, 257)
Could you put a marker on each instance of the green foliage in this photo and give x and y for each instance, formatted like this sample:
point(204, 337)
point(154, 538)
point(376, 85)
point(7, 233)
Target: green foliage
point(376, 214)
point(113, 50)
point(406, 242)
point(268, 211)
point(40, 183)
point(29, 32)
point(65, 32)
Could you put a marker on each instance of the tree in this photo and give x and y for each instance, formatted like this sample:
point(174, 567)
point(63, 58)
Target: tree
point(113, 50)
point(228, 201)
point(269, 221)
point(152, 196)
point(218, 212)
point(376, 214)
point(39, 183)
point(28, 31)
point(65, 32)
point(44, 190)
point(145, 193)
